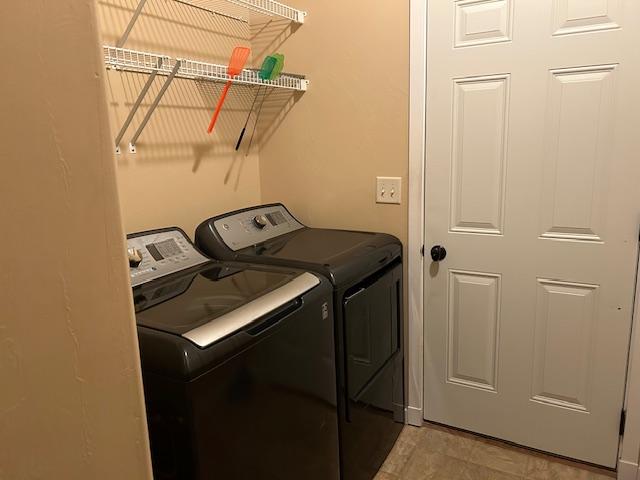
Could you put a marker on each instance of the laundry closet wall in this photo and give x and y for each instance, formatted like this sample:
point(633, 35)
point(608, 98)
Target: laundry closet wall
point(352, 124)
point(180, 175)
point(71, 404)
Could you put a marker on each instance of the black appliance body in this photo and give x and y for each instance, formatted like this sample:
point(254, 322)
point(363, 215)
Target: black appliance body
point(366, 272)
point(238, 365)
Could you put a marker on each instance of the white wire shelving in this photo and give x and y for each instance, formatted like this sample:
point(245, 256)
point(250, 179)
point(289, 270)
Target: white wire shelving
point(119, 58)
point(154, 64)
point(272, 9)
point(144, 62)
point(269, 8)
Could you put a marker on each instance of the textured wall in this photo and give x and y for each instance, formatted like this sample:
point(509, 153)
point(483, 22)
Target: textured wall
point(70, 388)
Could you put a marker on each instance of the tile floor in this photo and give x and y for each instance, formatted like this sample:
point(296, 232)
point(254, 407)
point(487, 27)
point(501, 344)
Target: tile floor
point(436, 453)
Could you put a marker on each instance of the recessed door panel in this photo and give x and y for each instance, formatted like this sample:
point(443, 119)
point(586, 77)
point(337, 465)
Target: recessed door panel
point(565, 314)
point(481, 22)
point(581, 16)
point(474, 313)
point(479, 154)
point(579, 142)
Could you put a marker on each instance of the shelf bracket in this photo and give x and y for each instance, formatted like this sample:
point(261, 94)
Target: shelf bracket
point(300, 16)
point(132, 22)
point(154, 105)
point(136, 105)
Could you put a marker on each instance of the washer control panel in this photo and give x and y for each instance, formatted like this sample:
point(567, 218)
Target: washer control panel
point(251, 227)
point(156, 254)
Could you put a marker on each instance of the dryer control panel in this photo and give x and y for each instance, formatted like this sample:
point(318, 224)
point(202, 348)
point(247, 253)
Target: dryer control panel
point(155, 254)
point(251, 227)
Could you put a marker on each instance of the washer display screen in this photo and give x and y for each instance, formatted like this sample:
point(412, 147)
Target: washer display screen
point(276, 218)
point(166, 248)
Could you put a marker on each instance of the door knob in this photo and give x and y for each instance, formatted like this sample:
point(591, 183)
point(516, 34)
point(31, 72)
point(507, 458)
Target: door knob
point(438, 253)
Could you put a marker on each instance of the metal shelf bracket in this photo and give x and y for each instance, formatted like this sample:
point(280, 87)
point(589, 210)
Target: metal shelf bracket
point(136, 105)
point(154, 105)
point(132, 22)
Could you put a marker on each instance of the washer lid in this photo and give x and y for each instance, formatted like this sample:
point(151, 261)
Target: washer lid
point(216, 300)
point(343, 256)
point(317, 245)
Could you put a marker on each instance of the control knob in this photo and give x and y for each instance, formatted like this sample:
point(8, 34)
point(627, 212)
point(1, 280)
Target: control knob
point(135, 257)
point(260, 221)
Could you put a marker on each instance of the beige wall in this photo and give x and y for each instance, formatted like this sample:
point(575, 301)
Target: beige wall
point(70, 389)
point(180, 175)
point(352, 125)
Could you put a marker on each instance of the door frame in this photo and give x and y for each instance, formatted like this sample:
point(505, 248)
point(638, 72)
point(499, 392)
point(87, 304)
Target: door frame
point(629, 452)
point(415, 260)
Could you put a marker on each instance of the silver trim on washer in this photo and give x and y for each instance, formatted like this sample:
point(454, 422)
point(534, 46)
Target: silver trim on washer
point(239, 318)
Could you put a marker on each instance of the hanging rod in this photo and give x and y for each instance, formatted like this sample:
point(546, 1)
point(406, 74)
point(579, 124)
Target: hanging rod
point(155, 64)
point(265, 7)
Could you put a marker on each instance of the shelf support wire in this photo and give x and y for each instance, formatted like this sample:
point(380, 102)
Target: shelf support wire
point(136, 105)
point(271, 8)
point(208, 10)
point(132, 22)
point(154, 105)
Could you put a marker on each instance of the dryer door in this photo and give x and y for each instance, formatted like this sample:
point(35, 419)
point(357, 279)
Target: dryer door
point(373, 368)
point(371, 323)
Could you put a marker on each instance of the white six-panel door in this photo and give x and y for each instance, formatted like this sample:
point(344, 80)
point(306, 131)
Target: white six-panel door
point(532, 186)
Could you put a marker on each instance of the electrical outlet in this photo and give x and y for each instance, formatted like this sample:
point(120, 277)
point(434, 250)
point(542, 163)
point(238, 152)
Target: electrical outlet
point(389, 190)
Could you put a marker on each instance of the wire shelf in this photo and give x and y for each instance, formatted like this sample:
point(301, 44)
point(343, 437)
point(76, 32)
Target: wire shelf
point(264, 7)
point(143, 62)
point(154, 64)
point(132, 60)
point(272, 8)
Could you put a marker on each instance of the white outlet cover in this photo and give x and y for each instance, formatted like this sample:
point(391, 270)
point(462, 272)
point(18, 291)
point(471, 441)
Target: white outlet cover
point(389, 190)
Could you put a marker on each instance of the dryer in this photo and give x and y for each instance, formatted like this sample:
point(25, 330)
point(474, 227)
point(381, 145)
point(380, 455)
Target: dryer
point(365, 270)
point(237, 363)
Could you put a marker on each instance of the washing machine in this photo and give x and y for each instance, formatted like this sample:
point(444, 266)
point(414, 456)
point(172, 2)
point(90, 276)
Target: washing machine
point(238, 365)
point(365, 270)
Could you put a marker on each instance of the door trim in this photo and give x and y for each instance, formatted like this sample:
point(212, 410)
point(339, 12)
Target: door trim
point(629, 452)
point(417, 147)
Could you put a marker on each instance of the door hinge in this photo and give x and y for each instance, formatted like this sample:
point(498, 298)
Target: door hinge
point(422, 250)
point(623, 421)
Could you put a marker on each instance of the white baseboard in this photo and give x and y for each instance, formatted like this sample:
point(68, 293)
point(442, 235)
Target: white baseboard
point(414, 416)
point(627, 470)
